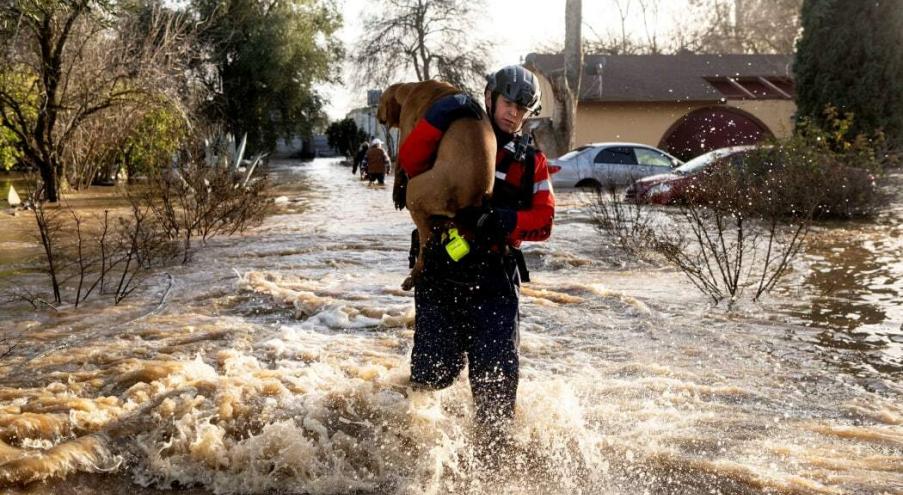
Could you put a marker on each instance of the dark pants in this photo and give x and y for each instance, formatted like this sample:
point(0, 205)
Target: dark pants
point(469, 310)
point(381, 178)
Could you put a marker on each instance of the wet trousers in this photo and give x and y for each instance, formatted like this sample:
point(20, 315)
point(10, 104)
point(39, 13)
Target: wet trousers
point(469, 314)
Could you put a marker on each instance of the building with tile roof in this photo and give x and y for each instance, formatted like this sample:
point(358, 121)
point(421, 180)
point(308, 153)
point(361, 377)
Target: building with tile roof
point(686, 104)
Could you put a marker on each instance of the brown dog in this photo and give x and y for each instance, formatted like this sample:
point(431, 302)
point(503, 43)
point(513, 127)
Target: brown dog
point(464, 169)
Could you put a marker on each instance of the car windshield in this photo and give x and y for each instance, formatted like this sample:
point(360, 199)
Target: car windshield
point(702, 161)
point(572, 153)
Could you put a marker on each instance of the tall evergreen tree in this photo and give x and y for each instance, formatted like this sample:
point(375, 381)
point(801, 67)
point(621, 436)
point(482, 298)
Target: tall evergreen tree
point(849, 56)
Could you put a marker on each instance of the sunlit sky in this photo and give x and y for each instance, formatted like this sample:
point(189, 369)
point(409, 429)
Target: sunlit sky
point(517, 27)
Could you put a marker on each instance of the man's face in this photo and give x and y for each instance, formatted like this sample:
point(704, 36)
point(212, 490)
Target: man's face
point(509, 116)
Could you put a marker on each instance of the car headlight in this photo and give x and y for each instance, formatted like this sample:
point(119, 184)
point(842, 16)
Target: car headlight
point(662, 188)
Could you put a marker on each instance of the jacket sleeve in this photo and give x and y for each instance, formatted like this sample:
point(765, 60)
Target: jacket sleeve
point(415, 155)
point(418, 151)
point(535, 224)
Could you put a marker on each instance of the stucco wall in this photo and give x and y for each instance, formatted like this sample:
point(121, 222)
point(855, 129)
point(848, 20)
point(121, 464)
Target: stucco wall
point(635, 122)
point(547, 99)
point(647, 123)
point(776, 114)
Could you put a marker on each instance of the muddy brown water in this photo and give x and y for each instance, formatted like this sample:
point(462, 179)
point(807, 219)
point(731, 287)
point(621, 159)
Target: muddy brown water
point(278, 363)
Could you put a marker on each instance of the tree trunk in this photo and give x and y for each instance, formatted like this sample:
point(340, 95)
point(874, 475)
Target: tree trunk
point(739, 22)
point(50, 179)
point(129, 166)
point(556, 137)
point(573, 69)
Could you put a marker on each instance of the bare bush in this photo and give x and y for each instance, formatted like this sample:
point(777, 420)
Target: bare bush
point(737, 229)
point(109, 255)
point(49, 227)
point(722, 251)
point(740, 223)
point(629, 225)
point(139, 246)
point(114, 253)
point(196, 200)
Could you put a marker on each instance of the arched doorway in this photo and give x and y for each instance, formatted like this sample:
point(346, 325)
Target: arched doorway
point(711, 128)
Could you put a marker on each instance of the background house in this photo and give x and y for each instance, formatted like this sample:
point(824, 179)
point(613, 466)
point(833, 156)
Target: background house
point(365, 118)
point(685, 104)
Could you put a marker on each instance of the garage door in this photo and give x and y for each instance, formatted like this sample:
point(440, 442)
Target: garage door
point(707, 129)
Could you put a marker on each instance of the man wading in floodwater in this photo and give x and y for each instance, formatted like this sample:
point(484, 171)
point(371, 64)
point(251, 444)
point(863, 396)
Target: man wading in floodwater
point(467, 305)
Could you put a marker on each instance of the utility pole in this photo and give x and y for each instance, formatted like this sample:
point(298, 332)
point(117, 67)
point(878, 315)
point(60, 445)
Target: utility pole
point(373, 96)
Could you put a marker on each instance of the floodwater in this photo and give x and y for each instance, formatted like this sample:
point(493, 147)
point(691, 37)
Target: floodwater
point(277, 362)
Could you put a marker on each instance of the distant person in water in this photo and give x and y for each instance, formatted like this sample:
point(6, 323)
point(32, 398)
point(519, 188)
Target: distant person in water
point(359, 157)
point(377, 162)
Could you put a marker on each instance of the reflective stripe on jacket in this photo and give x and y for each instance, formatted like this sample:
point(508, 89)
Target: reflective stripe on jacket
point(535, 222)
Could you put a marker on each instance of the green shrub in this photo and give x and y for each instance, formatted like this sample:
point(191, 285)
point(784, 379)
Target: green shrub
point(9, 154)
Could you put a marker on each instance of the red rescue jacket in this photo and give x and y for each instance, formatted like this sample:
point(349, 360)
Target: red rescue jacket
point(536, 212)
point(534, 216)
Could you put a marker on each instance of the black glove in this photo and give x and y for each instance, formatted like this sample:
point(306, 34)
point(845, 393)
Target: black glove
point(491, 225)
point(467, 217)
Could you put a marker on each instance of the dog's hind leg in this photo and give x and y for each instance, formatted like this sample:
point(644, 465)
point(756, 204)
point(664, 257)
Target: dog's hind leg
point(425, 233)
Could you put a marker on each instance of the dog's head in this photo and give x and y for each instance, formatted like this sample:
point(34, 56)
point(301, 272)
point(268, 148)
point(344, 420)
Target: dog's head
point(389, 111)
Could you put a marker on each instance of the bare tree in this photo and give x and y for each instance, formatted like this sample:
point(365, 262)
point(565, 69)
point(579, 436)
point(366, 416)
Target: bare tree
point(558, 135)
point(65, 62)
point(623, 7)
point(429, 38)
point(711, 26)
point(650, 10)
point(92, 153)
point(744, 26)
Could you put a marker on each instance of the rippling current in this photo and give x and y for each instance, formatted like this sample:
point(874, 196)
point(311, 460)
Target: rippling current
point(277, 362)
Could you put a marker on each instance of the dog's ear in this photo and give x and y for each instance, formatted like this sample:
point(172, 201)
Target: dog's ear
point(389, 110)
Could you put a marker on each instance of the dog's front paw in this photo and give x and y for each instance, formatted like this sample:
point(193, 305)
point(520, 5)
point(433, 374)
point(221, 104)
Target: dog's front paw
point(408, 284)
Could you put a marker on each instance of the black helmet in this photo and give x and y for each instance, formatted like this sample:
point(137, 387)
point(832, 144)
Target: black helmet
point(517, 84)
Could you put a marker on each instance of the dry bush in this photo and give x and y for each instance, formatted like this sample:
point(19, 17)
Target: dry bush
point(105, 255)
point(199, 201)
point(113, 254)
point(745, 219)
point(628, 224)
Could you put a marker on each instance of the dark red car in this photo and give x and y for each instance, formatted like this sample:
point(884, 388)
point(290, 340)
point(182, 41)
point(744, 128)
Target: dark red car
point(672, 187)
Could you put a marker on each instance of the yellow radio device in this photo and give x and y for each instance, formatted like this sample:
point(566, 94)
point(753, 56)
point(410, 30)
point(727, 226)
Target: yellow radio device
point(457, 247)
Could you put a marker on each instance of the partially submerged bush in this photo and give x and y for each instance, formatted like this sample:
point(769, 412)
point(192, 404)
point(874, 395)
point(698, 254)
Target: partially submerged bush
point(196, 200)
point(115, 253)
point(742, 221)
point(788, 179)
point(111, 254)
